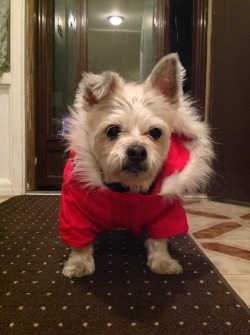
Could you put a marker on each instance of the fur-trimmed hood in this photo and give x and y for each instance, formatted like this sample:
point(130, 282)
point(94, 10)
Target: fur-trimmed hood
point(182, 119)
point(193, 177)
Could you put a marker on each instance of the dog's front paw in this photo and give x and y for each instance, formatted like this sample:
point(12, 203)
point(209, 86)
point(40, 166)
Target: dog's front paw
point(164, 265)
point(79, 268)
point(159, 260)
point(80, 263)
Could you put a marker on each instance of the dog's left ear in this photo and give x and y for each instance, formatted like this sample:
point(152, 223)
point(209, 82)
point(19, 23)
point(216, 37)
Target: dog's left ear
point(95, 87)
point(167, 77)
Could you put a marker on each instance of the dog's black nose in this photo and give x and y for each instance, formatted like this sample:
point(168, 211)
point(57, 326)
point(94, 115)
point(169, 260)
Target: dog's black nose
point(137, 153)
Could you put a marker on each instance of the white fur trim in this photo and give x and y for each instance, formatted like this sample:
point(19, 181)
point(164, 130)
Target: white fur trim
point(198, 169)
point(180, 117)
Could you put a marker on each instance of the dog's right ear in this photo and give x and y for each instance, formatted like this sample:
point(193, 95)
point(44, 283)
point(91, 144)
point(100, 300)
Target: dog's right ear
point(167, 77)
point(95, 87)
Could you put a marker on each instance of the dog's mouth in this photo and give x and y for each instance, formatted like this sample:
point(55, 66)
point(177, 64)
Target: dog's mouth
point(134, 170)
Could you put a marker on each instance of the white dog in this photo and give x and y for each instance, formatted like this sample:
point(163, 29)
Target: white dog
point(135, 149)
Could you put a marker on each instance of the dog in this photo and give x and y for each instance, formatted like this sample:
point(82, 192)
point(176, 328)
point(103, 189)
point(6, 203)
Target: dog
point(135, 150)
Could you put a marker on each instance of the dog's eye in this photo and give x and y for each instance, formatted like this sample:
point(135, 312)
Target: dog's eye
point(113, 131)
point(155, 133)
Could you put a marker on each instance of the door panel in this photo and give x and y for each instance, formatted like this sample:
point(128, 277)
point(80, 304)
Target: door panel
point(59, 66)
point(230, 100)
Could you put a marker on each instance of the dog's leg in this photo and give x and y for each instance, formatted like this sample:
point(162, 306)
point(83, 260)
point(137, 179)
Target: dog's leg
point(80, 262)
point(159, 259)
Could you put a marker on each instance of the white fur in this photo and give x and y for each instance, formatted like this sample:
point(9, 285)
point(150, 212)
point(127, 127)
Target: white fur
point(196, 173)
point(106, 99)
point(80, 262)
point(159, 259)
point(89, 165)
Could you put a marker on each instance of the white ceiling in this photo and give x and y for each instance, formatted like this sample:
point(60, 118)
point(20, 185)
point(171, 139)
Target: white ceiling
point(131, 10)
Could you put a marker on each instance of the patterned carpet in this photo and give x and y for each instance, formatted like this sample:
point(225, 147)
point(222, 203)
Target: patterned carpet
point(121, 297)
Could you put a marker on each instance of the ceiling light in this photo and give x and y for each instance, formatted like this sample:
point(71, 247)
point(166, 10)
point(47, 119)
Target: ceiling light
point(115, 20)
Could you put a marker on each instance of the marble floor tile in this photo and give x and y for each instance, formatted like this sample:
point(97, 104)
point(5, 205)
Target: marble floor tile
point(206, 214)
point(245, 216)
point(217, 230)
point(222, 231)
point(197, 225)
point(233, 210)
point(244, 243)
point(239, 234)
point(240, 284)
point(226, 249)
point(229, 265)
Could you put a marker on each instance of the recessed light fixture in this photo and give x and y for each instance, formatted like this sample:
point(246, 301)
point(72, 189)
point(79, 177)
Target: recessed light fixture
point(115, 20)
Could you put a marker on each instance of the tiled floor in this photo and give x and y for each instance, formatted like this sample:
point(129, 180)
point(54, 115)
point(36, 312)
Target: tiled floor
point(223, 233)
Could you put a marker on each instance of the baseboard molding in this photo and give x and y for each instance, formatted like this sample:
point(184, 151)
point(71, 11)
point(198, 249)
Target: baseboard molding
point(195, 196)
point(5, 187)
point(43, 193)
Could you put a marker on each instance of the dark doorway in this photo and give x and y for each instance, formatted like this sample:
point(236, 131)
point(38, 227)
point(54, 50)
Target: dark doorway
point(180, 35)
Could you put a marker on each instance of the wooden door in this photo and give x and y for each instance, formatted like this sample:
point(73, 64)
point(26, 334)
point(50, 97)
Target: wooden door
point(60, 60)
point(230, 99)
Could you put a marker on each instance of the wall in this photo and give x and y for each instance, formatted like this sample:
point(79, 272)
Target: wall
point(125, 55)
point(110, 47)
point(12, 111)
point(148, 39)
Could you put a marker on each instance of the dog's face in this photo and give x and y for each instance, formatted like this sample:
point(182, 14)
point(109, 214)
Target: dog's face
point(129, 137)
point(128, 125)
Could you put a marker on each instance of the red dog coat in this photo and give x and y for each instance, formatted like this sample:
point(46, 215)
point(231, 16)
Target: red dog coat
point(86, 211)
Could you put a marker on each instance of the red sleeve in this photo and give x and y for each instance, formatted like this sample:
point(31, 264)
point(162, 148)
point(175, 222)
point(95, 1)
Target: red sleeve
point(75, 220)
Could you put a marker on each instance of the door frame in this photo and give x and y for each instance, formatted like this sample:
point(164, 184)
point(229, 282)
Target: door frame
point(41, 70)
point(43, 82)
point(199, 53)
point(30, 97)
point(43, 88)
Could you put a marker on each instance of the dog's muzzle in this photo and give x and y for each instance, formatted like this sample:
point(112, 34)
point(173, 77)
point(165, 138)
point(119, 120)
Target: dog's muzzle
point(136, 160)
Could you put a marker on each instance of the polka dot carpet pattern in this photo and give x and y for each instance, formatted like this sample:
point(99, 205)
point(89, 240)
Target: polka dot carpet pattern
point(121, 297)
